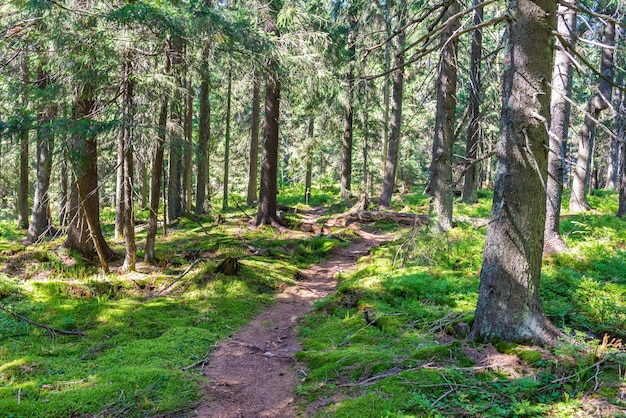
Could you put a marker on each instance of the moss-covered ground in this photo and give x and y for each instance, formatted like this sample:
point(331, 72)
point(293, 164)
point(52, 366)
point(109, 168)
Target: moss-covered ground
point(413, 358)
point(147, 333)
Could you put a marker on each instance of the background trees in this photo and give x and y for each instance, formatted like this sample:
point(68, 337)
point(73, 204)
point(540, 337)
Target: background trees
point(115, 88)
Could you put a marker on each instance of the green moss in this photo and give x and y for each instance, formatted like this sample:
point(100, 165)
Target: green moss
point(529, 356)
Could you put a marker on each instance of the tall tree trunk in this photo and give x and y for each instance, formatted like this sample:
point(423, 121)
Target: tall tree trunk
point(391, 159)
point(440, 187)
point(559, 127)
point(85, 166)
point(204, 135)
point(474, 131)
point(385, 128)
point(128, 206)
point(156, 172)
point(174, 185)
point(188, 169)
point(145, 187)
point(309, 162)
point(227, 138)
point(22, 197)
point(617, 128)
point(65, 191)
point(40, 222)
point(508, 305)
point(366, 134)
point(346, 149)
point(595, 105)
point(266, 214)
point(254, 141)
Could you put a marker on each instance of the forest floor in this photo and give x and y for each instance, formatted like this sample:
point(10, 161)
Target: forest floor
point(254, 372)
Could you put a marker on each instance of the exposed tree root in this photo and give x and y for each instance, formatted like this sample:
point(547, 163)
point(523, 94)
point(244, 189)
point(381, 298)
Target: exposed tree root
point(51, 330)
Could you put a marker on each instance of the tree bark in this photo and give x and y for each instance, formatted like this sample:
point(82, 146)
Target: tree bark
point(22, 198)
point(65, 191)
point(391, 164)
point(85, 167)
point(227, 138)
point(309, 162)
point(174, 185)
point(440, 186)
point(618, 129)
point(188, 148)
point(254, 141)
point(266, 214)
point(508, 305)
point(595, 105)
point(40, 222)
point(348, 114)
point(474, 131)
point(204, 135)
point(560, 115)
point(156, 172)
point(128, 206)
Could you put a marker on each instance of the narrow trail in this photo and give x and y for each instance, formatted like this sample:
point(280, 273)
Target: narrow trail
point(253, 374)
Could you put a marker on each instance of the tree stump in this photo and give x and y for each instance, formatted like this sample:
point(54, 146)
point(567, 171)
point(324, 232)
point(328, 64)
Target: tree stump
point(229, 266)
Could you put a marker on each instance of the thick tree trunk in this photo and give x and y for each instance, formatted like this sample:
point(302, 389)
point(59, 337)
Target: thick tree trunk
point(619, 127)
point(595, 105)
point(254, 141)
point(266, 214)
point(348, 115)
point(560, 114)
point(227, 139)
point(508, 303)
point(440, 186)
point(119, 178)
point(393, 146)
point(86, 171)
point(40, 222)
point(474, 131)
point(204, 134)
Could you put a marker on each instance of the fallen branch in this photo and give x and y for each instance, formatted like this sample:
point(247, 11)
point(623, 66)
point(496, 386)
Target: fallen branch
point(48, 328)
point(176, 280)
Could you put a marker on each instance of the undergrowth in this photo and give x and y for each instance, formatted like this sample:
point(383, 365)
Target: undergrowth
point(146, 333)
point(413, 359)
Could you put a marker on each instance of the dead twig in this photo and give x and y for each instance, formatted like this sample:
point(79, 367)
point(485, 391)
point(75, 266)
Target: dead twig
point(176, 280)
point(51, 330)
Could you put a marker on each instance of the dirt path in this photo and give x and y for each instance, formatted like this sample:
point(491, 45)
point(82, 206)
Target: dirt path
point(252, 374)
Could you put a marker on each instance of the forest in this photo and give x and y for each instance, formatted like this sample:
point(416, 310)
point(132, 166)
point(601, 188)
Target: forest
point(312, 208)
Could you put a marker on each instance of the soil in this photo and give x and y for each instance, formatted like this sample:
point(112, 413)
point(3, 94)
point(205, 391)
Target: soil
point(254, 373)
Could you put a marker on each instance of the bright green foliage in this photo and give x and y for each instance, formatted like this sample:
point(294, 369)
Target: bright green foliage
point(414, 361)
point(131, 361)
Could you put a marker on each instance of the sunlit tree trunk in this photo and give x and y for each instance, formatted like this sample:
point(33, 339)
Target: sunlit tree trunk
point(40, 221)
point(595, 105)
point(474, 131)
point(266, 214)
point(440, 186)
point(254, 141)
point(560, 114)
point(508, 305)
